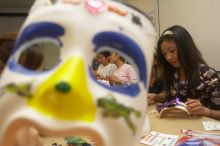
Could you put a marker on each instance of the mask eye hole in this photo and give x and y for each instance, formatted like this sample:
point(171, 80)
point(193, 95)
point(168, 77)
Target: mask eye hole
point(36, 56)
point(122, 46)
point(32, 58)
point(114, 68)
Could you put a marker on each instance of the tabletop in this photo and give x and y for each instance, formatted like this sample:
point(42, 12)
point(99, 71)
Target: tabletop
point(163, 125)
point(174, 125)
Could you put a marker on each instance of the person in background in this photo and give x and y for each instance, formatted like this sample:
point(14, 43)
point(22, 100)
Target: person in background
point(105, 67)
point(186, 75)
point(125, 74)
point(32, 58)
point(95, 64)
point(7, 42)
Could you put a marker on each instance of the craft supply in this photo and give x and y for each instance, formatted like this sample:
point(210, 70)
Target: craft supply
point(159, 139)
point(211, 125)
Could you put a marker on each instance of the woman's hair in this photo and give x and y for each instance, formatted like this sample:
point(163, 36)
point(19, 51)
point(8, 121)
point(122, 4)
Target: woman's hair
point(188, 55)
point(31, 58)
point(119, 56)
point(122, 58)
point(106, 54)
point(155, 72)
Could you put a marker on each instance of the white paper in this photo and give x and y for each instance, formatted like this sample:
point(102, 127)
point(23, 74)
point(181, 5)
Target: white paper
point(211, 125)
point(159, 139)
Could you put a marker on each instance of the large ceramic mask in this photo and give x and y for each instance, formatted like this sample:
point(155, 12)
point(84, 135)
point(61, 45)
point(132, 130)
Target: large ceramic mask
point(61, 97)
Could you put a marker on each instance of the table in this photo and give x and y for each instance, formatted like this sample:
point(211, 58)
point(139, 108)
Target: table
point(174, 125)
point(165, 125)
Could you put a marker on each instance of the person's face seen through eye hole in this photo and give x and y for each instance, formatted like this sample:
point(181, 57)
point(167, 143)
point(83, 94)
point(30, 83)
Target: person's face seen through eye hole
point(102, 59)
point(113, 57)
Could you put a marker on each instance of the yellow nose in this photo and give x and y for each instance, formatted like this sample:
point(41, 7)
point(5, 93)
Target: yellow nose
point(65, 95)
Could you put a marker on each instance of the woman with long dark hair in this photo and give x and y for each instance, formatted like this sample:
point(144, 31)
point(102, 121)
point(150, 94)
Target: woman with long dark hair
point(185, 73)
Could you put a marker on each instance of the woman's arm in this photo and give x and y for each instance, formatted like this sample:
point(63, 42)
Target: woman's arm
point(214, 114)
point(132, 74)
point(195, 107)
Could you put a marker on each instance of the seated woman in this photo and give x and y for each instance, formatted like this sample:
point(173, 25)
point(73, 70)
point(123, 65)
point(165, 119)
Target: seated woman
point(105, 67)
point(7, 42)
point(186, 75)
point(125, 74)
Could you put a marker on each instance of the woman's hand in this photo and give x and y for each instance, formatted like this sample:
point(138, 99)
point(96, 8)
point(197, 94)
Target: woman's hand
point(195, 108)
point(156, 97)
point(151, 97)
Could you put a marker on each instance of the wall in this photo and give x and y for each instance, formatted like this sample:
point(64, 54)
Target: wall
point(147, 6)
point(200, 17)
point(10, 24)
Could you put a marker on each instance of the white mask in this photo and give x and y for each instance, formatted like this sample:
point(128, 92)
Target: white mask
point(66, 100)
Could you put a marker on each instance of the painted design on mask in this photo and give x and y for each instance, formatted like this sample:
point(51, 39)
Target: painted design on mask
point(45, 31)
point(75, 2)
point(21, 89)
point(63, 91)
point(136, 20)
point(117, 11)
point(111, 108)
point(95, 6)
point(76, 141)
point(40, 30)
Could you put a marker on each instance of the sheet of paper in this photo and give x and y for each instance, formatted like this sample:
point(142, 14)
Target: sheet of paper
point(211, 125)
point(159, 139)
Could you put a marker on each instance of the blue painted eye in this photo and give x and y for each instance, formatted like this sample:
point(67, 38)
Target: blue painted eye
point(116, 49)
point(37, 49)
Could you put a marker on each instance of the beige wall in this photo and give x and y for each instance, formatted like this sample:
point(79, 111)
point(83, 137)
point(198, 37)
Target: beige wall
point(146, 6)
point(200, 17)
point(10, 24)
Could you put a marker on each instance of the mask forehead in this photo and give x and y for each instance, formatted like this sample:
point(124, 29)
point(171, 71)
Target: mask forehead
point(68, 93)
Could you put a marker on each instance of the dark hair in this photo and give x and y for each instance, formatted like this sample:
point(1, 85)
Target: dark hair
point(7, 42)
point(155, 72)
point(122, 58)
point(31, 58)
point(104, 53)
point(188, 55)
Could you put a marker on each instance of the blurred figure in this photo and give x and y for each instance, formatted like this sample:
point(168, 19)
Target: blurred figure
point(32, 58)
point(105, 68)
point(125, 74)
point(7, 42)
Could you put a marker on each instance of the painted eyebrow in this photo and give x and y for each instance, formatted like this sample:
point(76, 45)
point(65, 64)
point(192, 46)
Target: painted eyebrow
point(38, 30)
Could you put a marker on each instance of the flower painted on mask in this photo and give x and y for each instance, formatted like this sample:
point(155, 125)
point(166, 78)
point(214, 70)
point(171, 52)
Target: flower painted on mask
point(112, 108)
